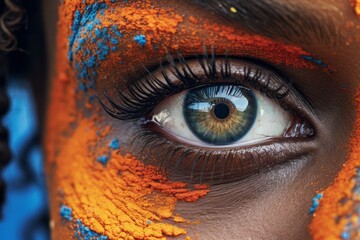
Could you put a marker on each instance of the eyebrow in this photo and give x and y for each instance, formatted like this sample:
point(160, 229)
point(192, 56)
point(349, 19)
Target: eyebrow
point(289, 21)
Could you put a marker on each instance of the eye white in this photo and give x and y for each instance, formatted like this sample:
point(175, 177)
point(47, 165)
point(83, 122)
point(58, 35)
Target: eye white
point(271, 121)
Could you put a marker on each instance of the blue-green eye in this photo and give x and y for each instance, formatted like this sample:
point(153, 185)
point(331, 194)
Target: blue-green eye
point(240, 108)
point(220, 114)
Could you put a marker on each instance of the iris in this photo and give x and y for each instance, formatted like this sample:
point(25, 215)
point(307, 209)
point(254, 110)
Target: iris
point(220, 114)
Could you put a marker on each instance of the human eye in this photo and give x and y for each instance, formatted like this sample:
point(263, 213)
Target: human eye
point(214, 118)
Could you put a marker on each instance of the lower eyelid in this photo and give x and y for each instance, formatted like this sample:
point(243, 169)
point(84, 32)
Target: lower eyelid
point(198, 165)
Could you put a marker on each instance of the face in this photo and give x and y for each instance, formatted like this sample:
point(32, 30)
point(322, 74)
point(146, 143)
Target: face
point(216, 120)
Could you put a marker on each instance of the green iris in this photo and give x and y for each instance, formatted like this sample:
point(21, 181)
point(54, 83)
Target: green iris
point(220, 114)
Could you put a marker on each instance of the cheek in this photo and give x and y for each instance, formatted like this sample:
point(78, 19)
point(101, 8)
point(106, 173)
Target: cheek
point(338, 212)
point(111, 194)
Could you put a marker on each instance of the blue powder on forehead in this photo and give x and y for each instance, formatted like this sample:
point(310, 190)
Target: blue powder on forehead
point(87, 31)
point(102, 51)
point(74, 31)
point(66, 212)
point(114, 40)
point(116, 31)
point(80, 20)
point(140, 39)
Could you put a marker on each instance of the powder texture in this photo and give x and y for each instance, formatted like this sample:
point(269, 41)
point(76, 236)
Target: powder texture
point(357, 7)
point(66, 212)
point(102, 36)
point(315, 203)
point(338, 216)
point(85, 233)
point(140, 39)
point(125, 199)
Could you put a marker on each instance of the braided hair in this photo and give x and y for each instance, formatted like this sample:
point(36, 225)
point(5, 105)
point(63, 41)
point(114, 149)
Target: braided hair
point(11, 17)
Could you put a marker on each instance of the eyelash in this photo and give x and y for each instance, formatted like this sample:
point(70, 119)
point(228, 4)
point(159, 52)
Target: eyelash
point(145, 91)
point(137, 103)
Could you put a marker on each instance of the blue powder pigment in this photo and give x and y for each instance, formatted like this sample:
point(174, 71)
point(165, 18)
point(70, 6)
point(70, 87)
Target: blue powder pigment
point(74, 31)
point(86, 31)
point(315, 203)
point(345, 235)
point(114, 144)
point(314, 60)
point(84, 233)
point(103, 159)
point(65, 212)
point(140, 39)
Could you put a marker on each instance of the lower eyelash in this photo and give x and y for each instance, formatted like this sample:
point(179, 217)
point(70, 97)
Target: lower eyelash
point(146, 90)
point(213, 166)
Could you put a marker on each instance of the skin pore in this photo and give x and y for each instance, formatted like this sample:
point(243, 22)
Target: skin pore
point(263, 202)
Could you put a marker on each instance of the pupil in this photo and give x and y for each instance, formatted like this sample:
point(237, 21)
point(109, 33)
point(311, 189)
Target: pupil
point(221, 110)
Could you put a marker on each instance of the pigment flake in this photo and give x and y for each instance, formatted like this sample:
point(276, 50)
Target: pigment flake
point(84, 233)
point(103, 159)
point(81, 231)
point(114, 144)
point(90, 43)
point(66, 212)
point(315, 203)
point(141, 40)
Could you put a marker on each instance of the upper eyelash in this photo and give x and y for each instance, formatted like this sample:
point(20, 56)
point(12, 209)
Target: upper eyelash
point(146, 91)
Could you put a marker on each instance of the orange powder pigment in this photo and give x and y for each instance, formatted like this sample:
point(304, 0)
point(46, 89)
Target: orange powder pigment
point(125, 199)
point(357, 7)
point(175, 32)
point(166, 30)
point(339, 207)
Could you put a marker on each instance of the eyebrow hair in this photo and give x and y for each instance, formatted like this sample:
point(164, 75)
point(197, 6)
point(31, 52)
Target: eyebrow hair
point(289, 21)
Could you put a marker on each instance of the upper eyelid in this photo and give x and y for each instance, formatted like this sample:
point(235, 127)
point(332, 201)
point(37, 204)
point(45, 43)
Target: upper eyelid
point(137, 83)
point(291, 83)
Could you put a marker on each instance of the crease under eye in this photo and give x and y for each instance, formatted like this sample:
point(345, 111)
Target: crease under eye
point(199, 162)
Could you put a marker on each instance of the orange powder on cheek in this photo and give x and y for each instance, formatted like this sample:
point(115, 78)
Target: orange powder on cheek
point(122, 200)
point(338, 214)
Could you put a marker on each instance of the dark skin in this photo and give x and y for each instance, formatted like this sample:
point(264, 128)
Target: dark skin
point(274, 203)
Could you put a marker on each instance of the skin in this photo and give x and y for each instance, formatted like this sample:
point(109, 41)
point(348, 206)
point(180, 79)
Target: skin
point(274, 203)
